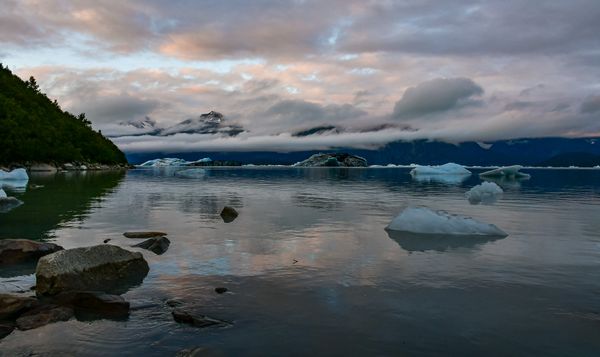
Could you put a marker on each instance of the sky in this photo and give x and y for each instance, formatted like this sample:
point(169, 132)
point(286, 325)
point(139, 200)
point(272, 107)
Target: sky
point(373, 71)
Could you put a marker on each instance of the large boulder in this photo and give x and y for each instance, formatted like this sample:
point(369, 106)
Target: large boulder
point(23, 250)
point(333, 160)
point(105, 268)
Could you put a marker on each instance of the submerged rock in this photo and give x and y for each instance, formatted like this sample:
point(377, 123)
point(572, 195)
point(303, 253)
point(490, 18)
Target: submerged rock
point(6, 329)
point(220, 290)
point(105, 305)
point(158, 245)
point(23, 250)
point(185, 317)
point(11, 306)
point(43, 316)
point(229, 214)
point(333, 160)
point(149, 234)
point(105, 268)
point(198, 352)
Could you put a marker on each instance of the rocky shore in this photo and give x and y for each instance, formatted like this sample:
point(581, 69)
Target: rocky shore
point(56, 167)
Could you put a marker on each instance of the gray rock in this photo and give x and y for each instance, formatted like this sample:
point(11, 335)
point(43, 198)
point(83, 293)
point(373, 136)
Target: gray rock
point(136, 235)
point(23, 250)
point(5, 330)
point(11, 305)
point(95, 302)
point(333, 160)
point(45, 315)
point(9, 203)
point(158, 245)
point(229, 214)
point(42, 167)
point(185, 317)
point(105, 268)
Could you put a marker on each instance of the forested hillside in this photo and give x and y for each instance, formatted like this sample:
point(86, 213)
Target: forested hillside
point(35, 129)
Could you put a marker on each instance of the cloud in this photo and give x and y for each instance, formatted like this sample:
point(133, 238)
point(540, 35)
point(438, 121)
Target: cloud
point(435, 96)
point(591, 104)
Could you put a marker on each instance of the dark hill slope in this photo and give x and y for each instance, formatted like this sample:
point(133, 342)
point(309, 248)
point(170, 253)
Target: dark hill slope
point(35, 129)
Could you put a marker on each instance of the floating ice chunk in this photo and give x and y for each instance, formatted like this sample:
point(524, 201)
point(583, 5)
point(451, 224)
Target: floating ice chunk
point(446, 169)
point(14, 175)
point(487, 192)
point(2, 193)
point(422, 220)
point(191, 173)
point(167, 161)
point(506, 171)
point(8, 203)
point(204, 160)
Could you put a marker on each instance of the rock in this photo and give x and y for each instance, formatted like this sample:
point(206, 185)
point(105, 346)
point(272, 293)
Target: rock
point(158, 245)
point(23, 250)
point(174, 302)
point(97, 302)
point(11, 306)
point(220, 290)
point(105, 268)
point(5, 330)
point(333, 160)
point(198, 352)
point(144, 234)
point(68, 166)
point(42, 167)
point(9, 203)
point(83, 167)
point(107, 240)
point(43, 316)
point(185, 317)
point(229, 214)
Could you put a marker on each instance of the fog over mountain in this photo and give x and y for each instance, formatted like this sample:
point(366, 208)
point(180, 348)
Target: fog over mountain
point(375, 72)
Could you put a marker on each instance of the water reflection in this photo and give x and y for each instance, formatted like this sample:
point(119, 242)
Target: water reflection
point(412, 242)
point(62, 198)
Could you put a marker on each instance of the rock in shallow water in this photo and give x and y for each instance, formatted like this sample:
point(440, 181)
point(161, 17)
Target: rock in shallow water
point(9, 203)
point(5, 330)
point(11, 305)
point(99, 303)
point(136, 235)
point(229, 214)
point(43, 316)
point(105, 268)
point(23, 250)
point(158, 245)
point(185, 317)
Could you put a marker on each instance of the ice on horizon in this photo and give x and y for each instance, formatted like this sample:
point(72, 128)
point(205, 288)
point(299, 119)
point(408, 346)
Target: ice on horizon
point(487, 193)
point(171, 161)
point(446, 169)
point(424, 221)
point(506, 171)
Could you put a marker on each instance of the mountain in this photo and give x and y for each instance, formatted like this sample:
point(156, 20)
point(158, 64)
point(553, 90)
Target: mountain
point(208, 123)
point(531, 151)
point(35, 129)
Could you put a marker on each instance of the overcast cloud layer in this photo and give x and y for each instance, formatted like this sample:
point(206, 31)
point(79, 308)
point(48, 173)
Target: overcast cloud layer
point(470, 70)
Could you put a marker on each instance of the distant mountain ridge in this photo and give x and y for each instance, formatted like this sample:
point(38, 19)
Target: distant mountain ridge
point(208, 123)
point(527, 151)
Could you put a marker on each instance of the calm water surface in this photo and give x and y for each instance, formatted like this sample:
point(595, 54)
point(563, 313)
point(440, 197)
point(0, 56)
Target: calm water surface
point(310, 269)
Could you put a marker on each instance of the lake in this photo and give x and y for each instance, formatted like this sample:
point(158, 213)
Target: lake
point(311, 270)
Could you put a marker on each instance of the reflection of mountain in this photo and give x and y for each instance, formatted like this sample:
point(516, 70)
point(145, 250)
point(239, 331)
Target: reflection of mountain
point(210, 123)
point(63, 197)
point(412, 242)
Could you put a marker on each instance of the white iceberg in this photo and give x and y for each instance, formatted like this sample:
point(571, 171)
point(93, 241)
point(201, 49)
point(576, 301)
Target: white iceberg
point(191, 173)
point(487, 192)
point(172, 161)
point(14, 175)
point(506, 171)
point(446, 169)
point(2, 194)
point(8, 203)
point(424, 221)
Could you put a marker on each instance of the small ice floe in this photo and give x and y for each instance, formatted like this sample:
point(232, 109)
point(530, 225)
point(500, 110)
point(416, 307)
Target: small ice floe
point(8, 203)
point(14, 175)
point(487, 193)
point(511, 172)
point(449, 173)
point(424, 221)
point(191, 173)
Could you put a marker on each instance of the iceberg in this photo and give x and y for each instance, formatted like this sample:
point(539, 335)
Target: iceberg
point(424, 221)
point(2, 194)
point(191, 173)
point(8, 203)
point(487, 192)
point(506, 171)
point(446, 169)
point(172, 161)
point(14, 175)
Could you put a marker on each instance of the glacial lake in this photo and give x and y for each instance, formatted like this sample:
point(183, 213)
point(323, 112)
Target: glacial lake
point(310, 269)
